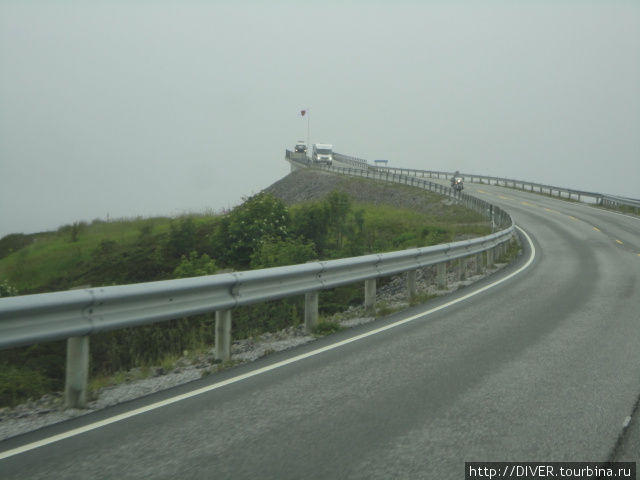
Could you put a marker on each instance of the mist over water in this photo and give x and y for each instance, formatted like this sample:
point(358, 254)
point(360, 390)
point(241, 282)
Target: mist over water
point(161, 108)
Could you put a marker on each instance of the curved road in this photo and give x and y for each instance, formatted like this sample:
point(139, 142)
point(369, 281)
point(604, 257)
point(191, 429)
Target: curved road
point(544, 367)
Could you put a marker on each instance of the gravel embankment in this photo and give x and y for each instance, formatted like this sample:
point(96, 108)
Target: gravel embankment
point(303, 186)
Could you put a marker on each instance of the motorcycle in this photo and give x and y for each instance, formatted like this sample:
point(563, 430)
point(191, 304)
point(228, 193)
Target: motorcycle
point(456, 184)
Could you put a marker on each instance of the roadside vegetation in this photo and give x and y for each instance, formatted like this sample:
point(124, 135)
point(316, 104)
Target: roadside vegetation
point(262, 232)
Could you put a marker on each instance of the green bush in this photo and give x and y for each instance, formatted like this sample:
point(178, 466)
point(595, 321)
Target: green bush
point(30, 372)
point(182, 238)
point(244, 229)
point(195, 266)
point(275, 252)
point(14, 242)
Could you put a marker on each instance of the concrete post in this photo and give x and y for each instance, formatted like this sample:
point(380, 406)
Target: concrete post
point(310, 311)
point(370, 296)
point(411, 285)
point(490, 258)
point(77, 374)
point(223, 335)
point(479, 266)
point(442, 275)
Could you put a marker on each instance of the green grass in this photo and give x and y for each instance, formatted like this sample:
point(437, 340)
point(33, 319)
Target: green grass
point(51, 254)
point(389, 228)
point(513, 250)
point(326, 327)
point(101, 381)
point(421, 298)
point(384, 308)
point(19, 383)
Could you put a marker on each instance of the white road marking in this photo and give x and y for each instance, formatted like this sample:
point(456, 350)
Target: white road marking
point(253, 373)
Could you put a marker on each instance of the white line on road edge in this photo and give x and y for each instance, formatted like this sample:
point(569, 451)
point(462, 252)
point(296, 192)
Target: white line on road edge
point(253, 373)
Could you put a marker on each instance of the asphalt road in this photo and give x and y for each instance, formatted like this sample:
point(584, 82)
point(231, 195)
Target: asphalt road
point(543, 367)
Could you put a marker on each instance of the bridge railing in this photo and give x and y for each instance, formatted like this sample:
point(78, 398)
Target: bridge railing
point(552, 190)
point(349, 160)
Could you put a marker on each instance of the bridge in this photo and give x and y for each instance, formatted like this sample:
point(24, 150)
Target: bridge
point(539, 362)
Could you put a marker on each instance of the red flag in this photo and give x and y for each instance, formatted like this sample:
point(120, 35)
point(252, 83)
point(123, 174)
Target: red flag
point(302, 112)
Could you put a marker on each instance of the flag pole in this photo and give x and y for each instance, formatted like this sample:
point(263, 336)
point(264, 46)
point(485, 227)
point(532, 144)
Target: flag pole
point(308, 129)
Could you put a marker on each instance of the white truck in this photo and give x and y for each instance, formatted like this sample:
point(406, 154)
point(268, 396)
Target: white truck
point(322, 153)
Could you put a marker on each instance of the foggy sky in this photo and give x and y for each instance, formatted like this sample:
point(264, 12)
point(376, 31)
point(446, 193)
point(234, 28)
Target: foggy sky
point(130, 108)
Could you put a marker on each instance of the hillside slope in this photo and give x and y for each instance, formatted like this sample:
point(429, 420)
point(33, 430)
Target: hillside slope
point(308, 185)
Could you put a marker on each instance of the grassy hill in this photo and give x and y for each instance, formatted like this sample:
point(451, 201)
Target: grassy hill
point(42, 261)
point(381, 217)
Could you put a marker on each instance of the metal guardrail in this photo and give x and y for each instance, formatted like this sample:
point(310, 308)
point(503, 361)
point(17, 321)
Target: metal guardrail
point(562, 192)
point(349, 160)
point(54, 316)
point(615, 201)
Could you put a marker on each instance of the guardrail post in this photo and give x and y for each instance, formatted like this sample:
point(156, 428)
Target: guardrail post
point(223, 335)
point(479, 263)
point(411, 285)
point(490, 258)
point(77, 373)
point(310, 311)
point(370, 296)
point(442, 275)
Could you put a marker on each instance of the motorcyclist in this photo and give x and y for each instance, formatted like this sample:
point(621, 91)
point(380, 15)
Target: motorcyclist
point(453, 179)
